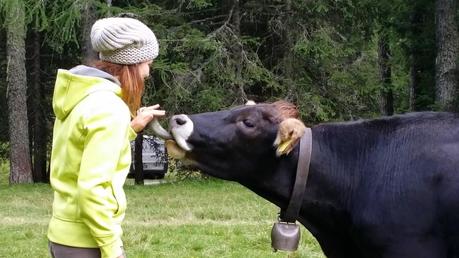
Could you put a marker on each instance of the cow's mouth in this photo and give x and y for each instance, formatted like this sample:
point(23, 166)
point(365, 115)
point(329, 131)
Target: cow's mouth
point(181, 128)
point(174, 150)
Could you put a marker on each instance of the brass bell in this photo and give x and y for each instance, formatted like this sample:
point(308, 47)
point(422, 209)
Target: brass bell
point(285, 236)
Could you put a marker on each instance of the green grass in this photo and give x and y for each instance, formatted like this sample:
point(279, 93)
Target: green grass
point(4, 168)
point(189, 218)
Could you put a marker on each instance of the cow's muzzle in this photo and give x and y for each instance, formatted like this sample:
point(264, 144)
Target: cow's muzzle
point(181, 127)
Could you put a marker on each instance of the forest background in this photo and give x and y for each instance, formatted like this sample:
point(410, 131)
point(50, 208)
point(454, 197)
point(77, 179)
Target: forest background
point(335, 59)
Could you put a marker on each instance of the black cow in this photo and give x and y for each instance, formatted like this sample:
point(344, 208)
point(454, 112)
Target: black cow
point(384, 188)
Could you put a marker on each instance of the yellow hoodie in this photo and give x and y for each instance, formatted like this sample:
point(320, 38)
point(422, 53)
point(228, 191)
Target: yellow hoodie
point(90, 160)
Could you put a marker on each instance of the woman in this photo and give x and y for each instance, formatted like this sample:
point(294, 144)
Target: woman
point(91, 152)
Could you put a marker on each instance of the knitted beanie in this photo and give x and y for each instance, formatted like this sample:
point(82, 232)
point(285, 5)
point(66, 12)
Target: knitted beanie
point(122, 40)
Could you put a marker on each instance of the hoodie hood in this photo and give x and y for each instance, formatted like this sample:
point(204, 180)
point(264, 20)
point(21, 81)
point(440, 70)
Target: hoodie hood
point(73, 85)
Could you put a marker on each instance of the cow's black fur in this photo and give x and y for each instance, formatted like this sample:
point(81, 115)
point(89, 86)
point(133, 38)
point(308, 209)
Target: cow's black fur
point(385, 188)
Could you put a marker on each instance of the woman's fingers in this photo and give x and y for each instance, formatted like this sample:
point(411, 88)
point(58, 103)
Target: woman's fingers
point(158, 112)
point(142, 109)
point(151, 111)
point(148, 115)
point(156, 106)
point(145, 116)
point(155, 112)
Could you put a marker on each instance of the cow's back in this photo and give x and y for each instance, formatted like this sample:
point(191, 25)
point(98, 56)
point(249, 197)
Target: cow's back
point(398, 178)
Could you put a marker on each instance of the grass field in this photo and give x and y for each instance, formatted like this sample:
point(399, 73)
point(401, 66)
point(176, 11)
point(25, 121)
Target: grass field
point(188, 218)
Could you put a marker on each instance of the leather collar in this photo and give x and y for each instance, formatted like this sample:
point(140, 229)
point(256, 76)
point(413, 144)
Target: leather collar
point(302, 171)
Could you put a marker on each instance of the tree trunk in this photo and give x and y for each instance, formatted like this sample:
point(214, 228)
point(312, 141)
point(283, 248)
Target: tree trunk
point(88, 18)
point(20, 165)
point(447, 54)
point(421, 56)
point(385, 74)
point(4, 135)
point(138, 162)
point(415, 68)
point(231, 9)
point(236, 21)
point(414, 81)
point(36, 114)
point(288, 42)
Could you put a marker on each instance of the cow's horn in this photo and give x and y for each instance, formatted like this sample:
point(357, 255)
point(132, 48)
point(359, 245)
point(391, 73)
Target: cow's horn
point(159, 130)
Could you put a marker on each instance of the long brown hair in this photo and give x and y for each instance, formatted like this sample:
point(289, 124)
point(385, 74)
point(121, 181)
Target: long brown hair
point(132, 84)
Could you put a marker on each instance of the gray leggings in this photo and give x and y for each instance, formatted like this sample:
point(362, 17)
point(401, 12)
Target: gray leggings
point(63, 251)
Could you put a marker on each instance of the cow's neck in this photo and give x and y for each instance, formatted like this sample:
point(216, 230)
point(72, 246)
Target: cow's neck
point(334, 170)
point(330, 181)
point(274, 181)
point(334, 175)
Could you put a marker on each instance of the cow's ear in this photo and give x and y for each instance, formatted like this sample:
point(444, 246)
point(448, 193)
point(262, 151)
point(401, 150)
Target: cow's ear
point(289, 133)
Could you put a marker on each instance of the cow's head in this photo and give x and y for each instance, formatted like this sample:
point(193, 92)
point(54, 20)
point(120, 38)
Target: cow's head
point(232, 144)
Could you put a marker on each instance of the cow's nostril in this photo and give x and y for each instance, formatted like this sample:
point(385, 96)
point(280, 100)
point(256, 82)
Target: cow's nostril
point(180, 121)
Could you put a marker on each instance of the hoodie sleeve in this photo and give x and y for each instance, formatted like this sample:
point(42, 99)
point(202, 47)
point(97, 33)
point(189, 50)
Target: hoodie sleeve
point(132, 134)
point(106, 138)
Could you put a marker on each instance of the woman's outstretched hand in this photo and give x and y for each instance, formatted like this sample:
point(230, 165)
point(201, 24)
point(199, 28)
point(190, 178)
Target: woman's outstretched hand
point(145, 115)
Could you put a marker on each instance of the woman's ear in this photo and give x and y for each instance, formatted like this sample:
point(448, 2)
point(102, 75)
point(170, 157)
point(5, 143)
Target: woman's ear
point(289, 133)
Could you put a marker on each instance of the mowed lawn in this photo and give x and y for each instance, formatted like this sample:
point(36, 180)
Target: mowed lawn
point(188, 218)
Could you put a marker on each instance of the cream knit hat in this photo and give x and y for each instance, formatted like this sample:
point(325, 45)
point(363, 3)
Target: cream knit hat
point(123, 40)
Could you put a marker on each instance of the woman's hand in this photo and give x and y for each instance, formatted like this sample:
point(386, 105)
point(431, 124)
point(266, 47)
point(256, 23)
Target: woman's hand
point(144, 116)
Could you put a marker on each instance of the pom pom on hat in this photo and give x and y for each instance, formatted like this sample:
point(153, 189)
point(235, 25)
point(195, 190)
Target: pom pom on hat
point(123, 40)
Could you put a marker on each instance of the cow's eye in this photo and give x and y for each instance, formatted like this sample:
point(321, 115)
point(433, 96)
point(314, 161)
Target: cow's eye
point(248, 123)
